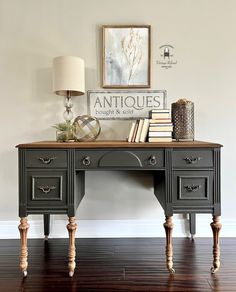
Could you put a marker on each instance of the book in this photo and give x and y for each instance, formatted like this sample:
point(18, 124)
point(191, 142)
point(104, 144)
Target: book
point(160, 139)
point(140, 126)
point(160, 124)
point(144, 132)
point(160, 110)
point(131, 132)
point(135, 131)
point(160, 114)
point(185, 140)
point(160, 134)
point(157, 121)
point(160, 127)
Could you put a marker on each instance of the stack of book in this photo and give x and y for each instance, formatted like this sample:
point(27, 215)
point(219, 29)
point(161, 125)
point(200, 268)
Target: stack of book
point(160, 126)
point(139, 131)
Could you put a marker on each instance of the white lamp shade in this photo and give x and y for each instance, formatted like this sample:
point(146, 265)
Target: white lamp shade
point(68, 75)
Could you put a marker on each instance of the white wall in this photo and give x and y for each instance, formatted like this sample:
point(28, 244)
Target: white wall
point(33, 32)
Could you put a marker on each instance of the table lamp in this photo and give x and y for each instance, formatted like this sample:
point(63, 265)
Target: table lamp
point(68, 80)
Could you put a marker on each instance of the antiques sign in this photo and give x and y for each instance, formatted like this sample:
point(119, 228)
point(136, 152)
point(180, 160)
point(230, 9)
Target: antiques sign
point(124, 104)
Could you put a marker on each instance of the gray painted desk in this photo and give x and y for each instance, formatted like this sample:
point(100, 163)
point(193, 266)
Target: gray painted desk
point(186, 178)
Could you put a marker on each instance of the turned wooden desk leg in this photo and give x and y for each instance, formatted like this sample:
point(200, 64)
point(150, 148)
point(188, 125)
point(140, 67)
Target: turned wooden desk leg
point(71, 227)
point(168, 225)
point(216, 227)
point(23, 228)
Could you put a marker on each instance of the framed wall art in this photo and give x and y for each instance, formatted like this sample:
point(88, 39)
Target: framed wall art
point(126, 56)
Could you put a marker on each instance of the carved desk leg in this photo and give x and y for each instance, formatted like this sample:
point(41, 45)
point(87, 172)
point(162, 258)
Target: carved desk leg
point(23, 228)
point(216, 227)
point(168, 225)
point(71, 227)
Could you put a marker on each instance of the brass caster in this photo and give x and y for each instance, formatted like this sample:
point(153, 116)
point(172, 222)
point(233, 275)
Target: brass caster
point(24, 274)
point(71, 274)
point(172, 271)
point(214, 270)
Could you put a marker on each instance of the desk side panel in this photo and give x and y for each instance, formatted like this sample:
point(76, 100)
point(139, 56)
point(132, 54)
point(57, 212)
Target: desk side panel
point(160, 187)
point(22, 195)
point(163, 184)
point(76, 183)
point(217, 182)
point(79, 188)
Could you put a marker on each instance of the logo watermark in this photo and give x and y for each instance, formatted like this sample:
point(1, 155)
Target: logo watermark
point(167, 59)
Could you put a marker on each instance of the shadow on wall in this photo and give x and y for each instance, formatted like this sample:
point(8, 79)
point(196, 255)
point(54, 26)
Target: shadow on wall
point(135, 179)
point(8, 181)
point(48, 103)
point(139, 179)
point(118, 195)
point(51, 104)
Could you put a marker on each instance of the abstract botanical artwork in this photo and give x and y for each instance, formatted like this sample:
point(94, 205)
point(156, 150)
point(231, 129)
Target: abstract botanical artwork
point(126, 56)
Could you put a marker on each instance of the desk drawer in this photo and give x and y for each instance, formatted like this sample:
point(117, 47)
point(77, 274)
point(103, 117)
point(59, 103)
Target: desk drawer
point(119, 159)
point(46, 158)
point(46, 188)
point(192, 158)
point(193, 187)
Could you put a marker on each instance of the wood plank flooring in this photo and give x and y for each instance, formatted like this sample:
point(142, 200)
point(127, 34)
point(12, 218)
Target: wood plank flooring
point(136, 264)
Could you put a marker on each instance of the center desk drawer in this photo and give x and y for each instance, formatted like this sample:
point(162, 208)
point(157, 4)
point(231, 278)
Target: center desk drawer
point(146, 159)
point(46, 158)
point(191, 158)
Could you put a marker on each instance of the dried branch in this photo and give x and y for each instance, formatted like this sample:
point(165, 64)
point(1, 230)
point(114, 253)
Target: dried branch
point(132, 50)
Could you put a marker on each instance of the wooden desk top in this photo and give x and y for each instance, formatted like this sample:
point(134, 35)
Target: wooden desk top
point(118, 144)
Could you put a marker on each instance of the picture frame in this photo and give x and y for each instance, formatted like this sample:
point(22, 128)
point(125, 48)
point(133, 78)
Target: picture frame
point(126, 56)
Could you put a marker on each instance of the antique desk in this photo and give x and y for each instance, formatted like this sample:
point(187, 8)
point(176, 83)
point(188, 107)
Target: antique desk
point(186, 177)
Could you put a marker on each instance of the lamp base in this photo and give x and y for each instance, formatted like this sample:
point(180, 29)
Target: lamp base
point(68, 114)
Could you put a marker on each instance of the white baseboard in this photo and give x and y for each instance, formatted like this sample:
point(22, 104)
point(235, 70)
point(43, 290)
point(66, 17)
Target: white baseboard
point(116, 228)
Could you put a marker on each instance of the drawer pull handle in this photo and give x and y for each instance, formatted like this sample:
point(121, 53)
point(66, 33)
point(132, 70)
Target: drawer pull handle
point(192, 160)
point(46, 160)
point(46, 189)
point(86, 161)
point(192, 188)
point(152, 160)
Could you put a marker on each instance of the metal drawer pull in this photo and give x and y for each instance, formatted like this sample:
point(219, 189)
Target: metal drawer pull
point(192, 188)
point(192, 160)
point(46, 160)
point(46, 189)
point(86, 161)
point(152, 160)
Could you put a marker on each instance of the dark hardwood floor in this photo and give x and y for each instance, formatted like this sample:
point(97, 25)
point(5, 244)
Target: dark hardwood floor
point(118, 265)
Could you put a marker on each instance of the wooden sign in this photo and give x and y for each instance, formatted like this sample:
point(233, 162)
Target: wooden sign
point(124, 104)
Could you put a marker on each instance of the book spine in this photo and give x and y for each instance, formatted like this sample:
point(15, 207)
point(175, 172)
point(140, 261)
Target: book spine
point(140, 126)
point(131, 132)
point(144, 132)
point(160, 111)
point(160, 115)
point(135, 131)
point(161, 129)
point(165, 139)
point(160, 134)
point(162, 121)
point(160, 124)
